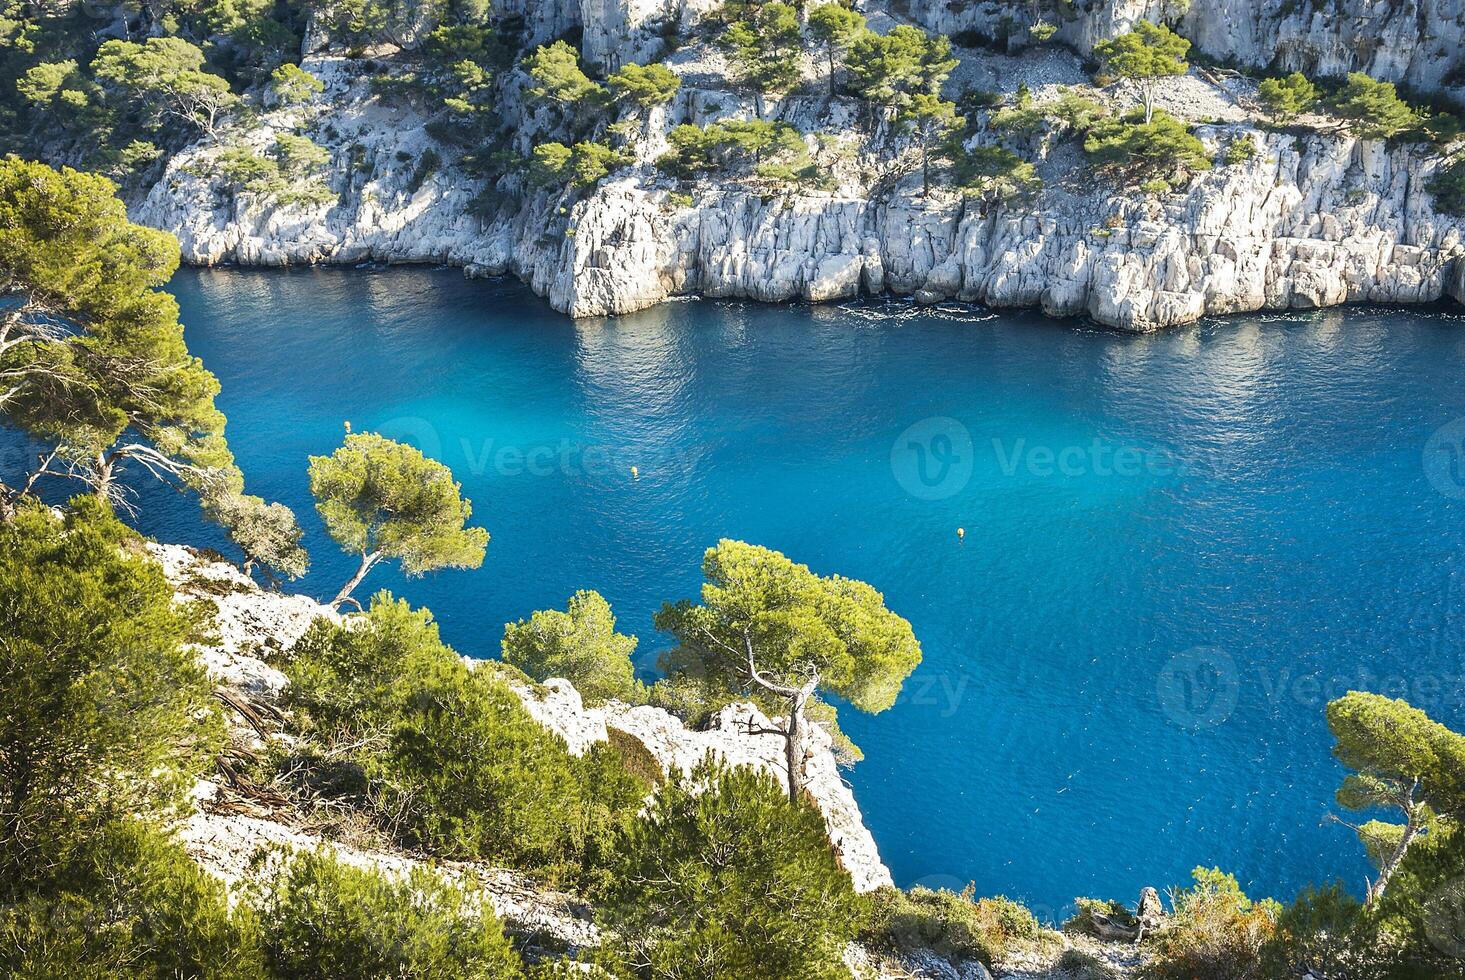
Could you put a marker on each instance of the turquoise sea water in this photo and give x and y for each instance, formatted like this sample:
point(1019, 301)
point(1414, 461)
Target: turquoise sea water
point(1176, 546)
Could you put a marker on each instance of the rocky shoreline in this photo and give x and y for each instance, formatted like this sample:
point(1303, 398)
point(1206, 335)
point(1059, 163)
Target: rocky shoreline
point(1313, 218)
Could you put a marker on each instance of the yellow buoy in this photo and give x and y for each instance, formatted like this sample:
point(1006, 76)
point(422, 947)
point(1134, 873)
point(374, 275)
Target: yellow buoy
point(961, 532)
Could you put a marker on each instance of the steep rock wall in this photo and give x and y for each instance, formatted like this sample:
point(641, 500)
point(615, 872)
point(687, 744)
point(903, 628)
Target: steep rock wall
point(1419, 42)
point(1309, 221)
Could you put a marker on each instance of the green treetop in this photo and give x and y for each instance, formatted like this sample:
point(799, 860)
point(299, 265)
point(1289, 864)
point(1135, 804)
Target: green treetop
point(266, 533)
point(836, 28)
point(1146, 54)
point(764, 44)
point(1401, 760)
point(103, 710)
point(1286, 98)
point(1372, 110)
point(645, 85)
point(723, 878)
point(580, 645)
point(559, 80)
point(890, 69)
point(163, 79)
point(580, 166)
point(92, 349)
point(773, 627)
point(1162, 147)
point(932, 122)
point(292, 84)
point(385, 500)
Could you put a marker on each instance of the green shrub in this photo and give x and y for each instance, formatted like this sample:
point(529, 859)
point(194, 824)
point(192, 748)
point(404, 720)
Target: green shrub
point(953, 926)
point(644, 85)
point(1160, 148)
point(453, 761)
point(293, 84)
point(348, 685)
point(1372, 109)
point(995, 173)
point(1285, 98)
point(1217, 933)
point(1074, 111)
point(725, 878)
point(130, 903)
point(1240, 150)
point(581, 166)
point(103, 712)
point(1021, 120)
point(1447, 187)
point(470, 775)
point(321, 919)
point(1329, 933)
point(774, 151)
point(580, 645)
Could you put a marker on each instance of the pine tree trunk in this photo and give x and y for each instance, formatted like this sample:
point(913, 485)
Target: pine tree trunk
point(1392, 862)
point(104, 476)
point(793, 748)
point(367, 560)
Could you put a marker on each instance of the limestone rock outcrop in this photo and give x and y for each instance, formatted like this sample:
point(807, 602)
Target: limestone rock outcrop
point(252, 623)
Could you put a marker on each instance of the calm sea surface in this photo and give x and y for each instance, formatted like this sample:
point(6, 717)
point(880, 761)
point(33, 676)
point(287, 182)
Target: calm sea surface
point(1176, 546)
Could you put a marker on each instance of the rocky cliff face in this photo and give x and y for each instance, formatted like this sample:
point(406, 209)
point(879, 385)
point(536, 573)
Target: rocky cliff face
point(1418, 42)
point(1309, 220)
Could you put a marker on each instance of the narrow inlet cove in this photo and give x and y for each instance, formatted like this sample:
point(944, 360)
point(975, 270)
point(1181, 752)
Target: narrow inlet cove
point(1176, 547)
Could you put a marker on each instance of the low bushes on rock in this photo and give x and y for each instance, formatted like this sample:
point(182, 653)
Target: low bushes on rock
point(723, 877)
point(321, 919)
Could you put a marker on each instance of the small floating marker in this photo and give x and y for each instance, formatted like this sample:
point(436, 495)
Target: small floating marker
point(348, 427)
point(960, 533)
point(635, 473)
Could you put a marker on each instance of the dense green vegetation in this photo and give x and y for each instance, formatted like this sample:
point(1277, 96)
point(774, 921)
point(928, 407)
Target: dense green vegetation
point(103, 712)
point(1160, 147)
point(723, 877)
point(106, 719)
point(321, 919)
point(93, 364)
point(581, 645)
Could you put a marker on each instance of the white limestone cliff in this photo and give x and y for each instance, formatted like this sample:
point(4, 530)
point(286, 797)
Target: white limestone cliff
point(1310, 220)
point(1417, 42)
point(252, 624)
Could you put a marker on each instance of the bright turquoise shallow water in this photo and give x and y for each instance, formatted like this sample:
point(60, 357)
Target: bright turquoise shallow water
point(1127, 657)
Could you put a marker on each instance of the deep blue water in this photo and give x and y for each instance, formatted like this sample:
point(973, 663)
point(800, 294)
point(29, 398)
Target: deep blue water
point(1176, 546)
